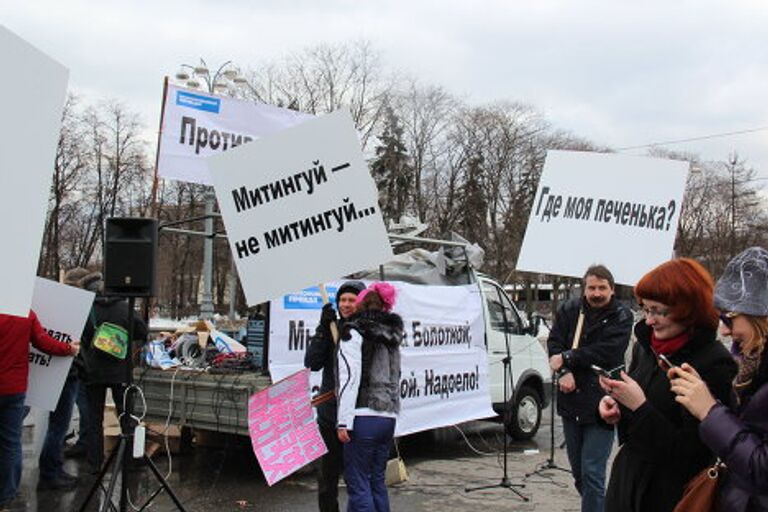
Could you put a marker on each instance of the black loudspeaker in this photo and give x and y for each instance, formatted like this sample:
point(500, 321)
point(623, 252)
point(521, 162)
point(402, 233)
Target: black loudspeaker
point(130, 252)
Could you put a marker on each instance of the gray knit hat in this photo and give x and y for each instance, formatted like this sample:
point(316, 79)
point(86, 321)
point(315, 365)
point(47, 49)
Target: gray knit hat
point(93, 282)
point(743, 287)
point(74, 275)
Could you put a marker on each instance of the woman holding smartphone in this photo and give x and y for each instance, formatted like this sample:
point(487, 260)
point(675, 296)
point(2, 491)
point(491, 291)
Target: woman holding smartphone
point(738, 435)
point(660, 447)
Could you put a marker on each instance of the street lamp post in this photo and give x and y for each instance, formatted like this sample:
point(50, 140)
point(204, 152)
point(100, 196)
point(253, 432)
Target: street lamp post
point(224, 78)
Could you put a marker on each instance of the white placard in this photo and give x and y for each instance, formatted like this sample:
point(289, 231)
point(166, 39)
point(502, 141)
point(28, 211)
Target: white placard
point(300, 208)
point(33, 90)
point(62, 311)
point(197, 125)
point(444, 365)
point(621, 211)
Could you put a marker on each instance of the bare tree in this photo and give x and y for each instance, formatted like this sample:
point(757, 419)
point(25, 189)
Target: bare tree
point(426, 113)
point(115, 180)
point(67, 175)
point(325, 78)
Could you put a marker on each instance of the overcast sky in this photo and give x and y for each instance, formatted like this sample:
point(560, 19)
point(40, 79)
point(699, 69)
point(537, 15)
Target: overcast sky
point(620, 73)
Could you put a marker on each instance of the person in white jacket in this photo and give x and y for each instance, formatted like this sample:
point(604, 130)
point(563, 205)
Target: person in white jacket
point(368, 392)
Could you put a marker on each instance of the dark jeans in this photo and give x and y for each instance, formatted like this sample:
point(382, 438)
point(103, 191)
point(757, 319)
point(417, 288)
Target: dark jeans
point(83, 433)
point(97, 394)
point(365, 463)
point(11, 423)
point(51, 459)
point(331, 466)
point(588, 447)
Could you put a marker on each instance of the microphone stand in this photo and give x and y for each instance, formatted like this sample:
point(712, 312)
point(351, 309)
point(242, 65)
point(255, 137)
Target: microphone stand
point(505, 482)
point(550, 462)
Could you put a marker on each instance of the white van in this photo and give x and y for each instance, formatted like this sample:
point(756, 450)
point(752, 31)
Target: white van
point(508, 333)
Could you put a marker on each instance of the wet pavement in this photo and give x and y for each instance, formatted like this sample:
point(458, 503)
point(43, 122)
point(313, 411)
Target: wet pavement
point(441, 465)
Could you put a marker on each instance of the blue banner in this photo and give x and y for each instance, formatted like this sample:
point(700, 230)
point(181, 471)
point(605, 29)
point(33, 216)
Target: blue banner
point(308, 298)
point(198, 101)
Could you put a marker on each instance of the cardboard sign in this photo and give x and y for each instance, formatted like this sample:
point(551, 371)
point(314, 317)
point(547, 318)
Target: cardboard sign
point(300, 208)
point(197, 125)
point(621, 211)
point(284, 434)
point(444, 374)
point(32, 108)
point(63, 311)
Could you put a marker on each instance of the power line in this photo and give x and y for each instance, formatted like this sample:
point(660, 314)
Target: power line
point(692, 139)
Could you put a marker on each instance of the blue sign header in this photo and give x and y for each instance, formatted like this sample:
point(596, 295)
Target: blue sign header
point(198, 101)
point(308, 298)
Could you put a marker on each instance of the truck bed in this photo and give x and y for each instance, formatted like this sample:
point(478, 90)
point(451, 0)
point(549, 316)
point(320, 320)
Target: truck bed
point(210, 401)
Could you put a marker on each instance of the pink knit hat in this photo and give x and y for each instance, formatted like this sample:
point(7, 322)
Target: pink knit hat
point(385, 291)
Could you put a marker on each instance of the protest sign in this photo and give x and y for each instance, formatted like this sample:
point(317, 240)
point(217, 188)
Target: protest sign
point(32, 109)
point(197, 125)
point(62, 311)
point(621, 211)
point(444, 366)
point(292, 200)
point(284, 435)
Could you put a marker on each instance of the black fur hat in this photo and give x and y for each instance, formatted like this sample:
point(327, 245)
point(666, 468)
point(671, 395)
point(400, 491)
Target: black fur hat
point(349, 287)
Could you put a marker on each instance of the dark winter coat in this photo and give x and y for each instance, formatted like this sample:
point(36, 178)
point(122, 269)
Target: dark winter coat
point(740, 439)
point(660, 446)
point(100, 367)
point(604, 339)
point(321, 355)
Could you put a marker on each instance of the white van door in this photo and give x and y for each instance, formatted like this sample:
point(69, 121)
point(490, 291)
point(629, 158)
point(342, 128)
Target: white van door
point(504, 326)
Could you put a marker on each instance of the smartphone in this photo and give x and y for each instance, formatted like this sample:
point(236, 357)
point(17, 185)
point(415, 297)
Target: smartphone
point(666, 362)
point(614, 374)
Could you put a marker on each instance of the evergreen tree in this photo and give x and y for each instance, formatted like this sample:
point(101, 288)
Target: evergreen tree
point(392, 169)
point(473, 203)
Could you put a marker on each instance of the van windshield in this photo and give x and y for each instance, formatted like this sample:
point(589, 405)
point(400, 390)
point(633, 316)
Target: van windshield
point(501, 314)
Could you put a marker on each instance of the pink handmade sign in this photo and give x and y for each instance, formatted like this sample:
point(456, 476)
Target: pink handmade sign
point(283, 431)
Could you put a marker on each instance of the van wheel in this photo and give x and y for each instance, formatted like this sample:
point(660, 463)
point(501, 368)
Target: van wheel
point(524, 417)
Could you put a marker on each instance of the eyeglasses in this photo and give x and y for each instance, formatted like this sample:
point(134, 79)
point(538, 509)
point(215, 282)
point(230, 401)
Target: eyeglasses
point(649, 312)
point(727, 318)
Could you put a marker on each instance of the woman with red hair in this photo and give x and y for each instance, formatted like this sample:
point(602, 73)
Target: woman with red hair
point(660, 446)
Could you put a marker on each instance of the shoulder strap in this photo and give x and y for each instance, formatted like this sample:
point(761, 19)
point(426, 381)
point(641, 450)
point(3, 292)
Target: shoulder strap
point(92, 316)
point(577, 334)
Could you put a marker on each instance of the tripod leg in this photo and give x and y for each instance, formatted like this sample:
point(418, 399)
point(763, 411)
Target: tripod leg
point(164, 483)
point(116, 471)
point(550, 464)
point(99, 479)
point(151, 499)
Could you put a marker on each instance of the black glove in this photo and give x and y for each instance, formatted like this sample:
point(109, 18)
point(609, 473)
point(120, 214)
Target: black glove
point(327, 317)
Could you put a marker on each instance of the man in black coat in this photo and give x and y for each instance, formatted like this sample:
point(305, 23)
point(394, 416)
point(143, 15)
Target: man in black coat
point(103, 370)
point(321, 355)
point(590, 330)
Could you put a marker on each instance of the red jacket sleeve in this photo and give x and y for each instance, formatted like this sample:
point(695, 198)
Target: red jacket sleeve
point(42, 341)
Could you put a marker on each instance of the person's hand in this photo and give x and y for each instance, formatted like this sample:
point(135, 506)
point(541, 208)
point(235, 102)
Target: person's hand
point(692, 392)
point(556, 362)
point(685, 368)
point(74, 348)
point(605, 383)
point(343, 435)
point(328, 316)
point(609, 410)
point(625, 391)
point(567, 383)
